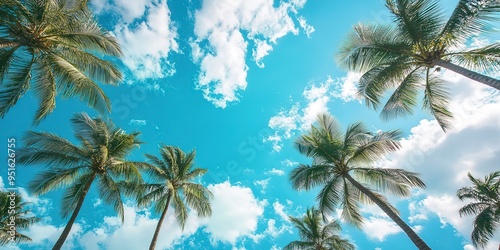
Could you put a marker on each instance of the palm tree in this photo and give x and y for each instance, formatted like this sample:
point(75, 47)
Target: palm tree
point(404, 56)
point(55, 46)
point(486, 206)
point(11, 206)
point(316, 235)
point(341, 163)
point(172, 177)
point(100, 158)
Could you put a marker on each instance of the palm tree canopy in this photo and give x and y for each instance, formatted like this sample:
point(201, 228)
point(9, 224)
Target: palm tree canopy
point(315, 234)
point(405, 55)
point(99, 156)
point(22, 218)
point(172, 177)
point(337, 155)
point(485, 206)
point(54, 47)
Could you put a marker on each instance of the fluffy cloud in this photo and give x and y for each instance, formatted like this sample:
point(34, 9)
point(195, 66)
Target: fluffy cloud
point(235, 212)
point(220, 47)
point(379, 228)
point(288, 123)
point(146, 34)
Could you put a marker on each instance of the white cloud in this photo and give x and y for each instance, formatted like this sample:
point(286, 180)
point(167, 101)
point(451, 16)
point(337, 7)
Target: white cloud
point(346, 87)
point(288, 123)
point(279, 210)
point(220, 47)
point(379, 228)
point(235, 212)
point(275, 171)
point(146, 34)
point(134, 122)
point(308, 29)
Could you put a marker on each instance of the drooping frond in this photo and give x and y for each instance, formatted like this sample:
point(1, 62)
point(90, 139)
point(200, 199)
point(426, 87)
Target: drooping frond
point(436, 99)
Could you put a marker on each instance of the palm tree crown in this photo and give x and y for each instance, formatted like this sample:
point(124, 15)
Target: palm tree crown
point(21, 221)
point(341, 164)
point(486, 206)
point(53, 45)
point(406, 55)
point(99, 157)
point(317, 235)
point(172, 176)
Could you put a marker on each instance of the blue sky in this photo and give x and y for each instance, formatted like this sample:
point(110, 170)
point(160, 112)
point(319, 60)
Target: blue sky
point(238, 81)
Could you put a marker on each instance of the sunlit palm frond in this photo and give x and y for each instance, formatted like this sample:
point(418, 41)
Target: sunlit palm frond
point(469, 18)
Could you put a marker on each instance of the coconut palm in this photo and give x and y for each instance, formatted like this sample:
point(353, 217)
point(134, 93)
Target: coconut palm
point(99, 157)
point(11, 206)
point(317, 235)
point(172, 176)
point(54, 47)
point(404, 56)
point(485, 206)
point(341, 164)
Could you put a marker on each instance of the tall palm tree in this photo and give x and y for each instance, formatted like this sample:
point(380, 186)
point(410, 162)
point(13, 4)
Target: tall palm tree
point(317, 235)
point(55, 47)
point(341, 164)
point(486, 206)
point(11, 206)
point(99, 157)
point(405, 55)
point(172, 176)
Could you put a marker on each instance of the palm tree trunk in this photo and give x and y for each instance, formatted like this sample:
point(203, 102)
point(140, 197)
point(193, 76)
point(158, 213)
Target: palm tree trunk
point(492, 82)
point(158, 226)
point(407, 229)
point(67, 229)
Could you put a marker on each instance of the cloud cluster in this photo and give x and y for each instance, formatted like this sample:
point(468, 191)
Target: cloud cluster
point(223, 32)
point(146, 34)
point(235, 216)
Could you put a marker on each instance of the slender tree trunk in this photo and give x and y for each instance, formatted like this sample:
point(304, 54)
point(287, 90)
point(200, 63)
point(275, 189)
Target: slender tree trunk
point(492, 82)
point(407, 229)
point(158, 226)
point(67, 229)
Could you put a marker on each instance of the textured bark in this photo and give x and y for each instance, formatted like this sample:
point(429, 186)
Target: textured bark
point(71, 221)
point(158, 226)
point(492, 82)
point(419, 243)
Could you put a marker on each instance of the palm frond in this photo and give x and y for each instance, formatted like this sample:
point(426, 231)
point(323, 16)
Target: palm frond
point(72, 81)
point(468, 19)
point(436, 99)
point(109, 192)
point(404, 99)
point(53, 179)
point(305, 177)
point(485, 59)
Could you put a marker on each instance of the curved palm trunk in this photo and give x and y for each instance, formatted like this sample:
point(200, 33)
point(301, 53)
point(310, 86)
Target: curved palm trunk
point(407, 229)
point(67, 229)
point(158, 226)
point(492, 82)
